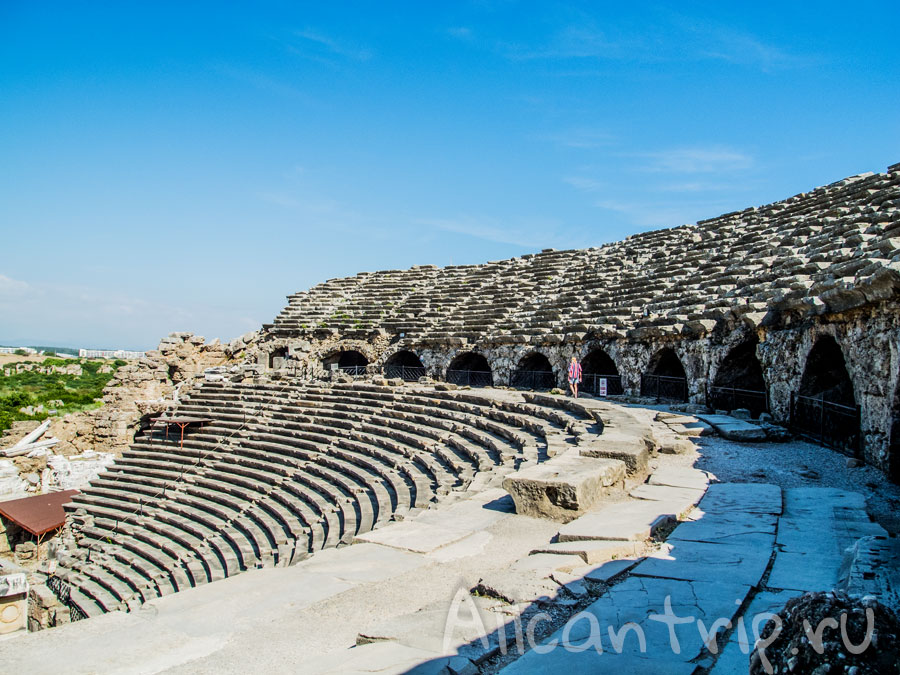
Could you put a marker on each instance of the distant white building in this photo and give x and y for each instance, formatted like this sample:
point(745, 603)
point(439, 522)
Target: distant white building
point(13, 350)
point(108, 354)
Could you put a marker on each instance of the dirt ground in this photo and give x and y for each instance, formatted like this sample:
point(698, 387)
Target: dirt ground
point(801, 464)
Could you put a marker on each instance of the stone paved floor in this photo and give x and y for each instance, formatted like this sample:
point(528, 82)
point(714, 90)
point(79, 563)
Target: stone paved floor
point(380, 605)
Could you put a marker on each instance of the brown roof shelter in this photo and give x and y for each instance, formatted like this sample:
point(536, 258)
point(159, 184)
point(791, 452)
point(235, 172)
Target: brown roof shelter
point(40, 514)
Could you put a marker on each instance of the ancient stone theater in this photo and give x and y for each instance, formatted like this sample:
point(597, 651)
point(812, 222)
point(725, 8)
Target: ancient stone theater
point(789, 308)
point(417, 424)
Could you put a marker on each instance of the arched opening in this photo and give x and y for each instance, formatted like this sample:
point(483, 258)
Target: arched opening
point(739, 382)
point(824, 408)
point(665, 379)
point(277, 358)
point(350, 361)
point(599, 373)
point(405, 365)
point(533, 372)
point(825, 374)
point(470, 368)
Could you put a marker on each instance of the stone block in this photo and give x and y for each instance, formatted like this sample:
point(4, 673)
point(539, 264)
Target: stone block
point(628, 449)
point(629, 521)
point(593, 552)
point(564, 487)
point(13, 613)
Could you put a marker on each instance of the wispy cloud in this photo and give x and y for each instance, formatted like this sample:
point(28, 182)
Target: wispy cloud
point(325, 43)
point(10, 287)
point(662, 36)
point(710, 159)
point(711, 40)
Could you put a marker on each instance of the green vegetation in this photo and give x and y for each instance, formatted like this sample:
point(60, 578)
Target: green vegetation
point(30, 388)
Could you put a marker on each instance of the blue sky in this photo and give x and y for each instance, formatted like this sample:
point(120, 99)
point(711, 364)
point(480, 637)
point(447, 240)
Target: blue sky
point(167, 168)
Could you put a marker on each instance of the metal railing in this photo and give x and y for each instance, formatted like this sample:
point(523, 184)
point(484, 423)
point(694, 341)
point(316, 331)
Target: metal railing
point(407, 373)
point(732, 398)
point(470, 378)
point(664, 387)
point(354, 371)
point(63, 592)
point(532, 379)
point(833, 425)
point(60, 589)
point(593, 384)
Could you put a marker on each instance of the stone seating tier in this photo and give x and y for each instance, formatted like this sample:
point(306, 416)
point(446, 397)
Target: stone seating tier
point(282, 471)
point(837, 231)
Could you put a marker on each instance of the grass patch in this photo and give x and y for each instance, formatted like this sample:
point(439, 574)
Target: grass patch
point(30, 388)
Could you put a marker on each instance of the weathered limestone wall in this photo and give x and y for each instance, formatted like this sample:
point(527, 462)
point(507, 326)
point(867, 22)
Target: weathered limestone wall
point(868, 337)
point(823, 262)
point(143, 387)
point(869, 340)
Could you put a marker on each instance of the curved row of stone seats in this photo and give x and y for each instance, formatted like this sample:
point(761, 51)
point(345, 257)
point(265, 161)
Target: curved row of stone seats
point(281, 471)
point(404, 445)
point(826, 240)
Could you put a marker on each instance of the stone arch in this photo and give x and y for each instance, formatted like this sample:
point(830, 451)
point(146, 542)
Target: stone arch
point(739, 381)
point(665, 377)
point(825, 373)
point(277, 358)
point(535, 361)
point(598, 365)
point(470, 368)
point(404, 364)
point(348, 360)
point(533, 371)
point(824, 409)
point(666, 363)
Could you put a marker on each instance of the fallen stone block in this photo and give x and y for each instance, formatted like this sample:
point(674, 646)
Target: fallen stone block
point(626, 521)
point(693, 429)
point(564, 487)
point(680, 476)
point(593, 551)
point(602, 573)
point(679, 498)
point(629, 449)
point(670, 444)
point(517, 587)
point(735, 429)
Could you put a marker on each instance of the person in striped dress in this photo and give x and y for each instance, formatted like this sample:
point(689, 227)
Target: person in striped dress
point(574, 376)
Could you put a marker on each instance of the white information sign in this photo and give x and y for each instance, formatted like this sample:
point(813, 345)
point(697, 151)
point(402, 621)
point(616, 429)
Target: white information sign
point(13, 584)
